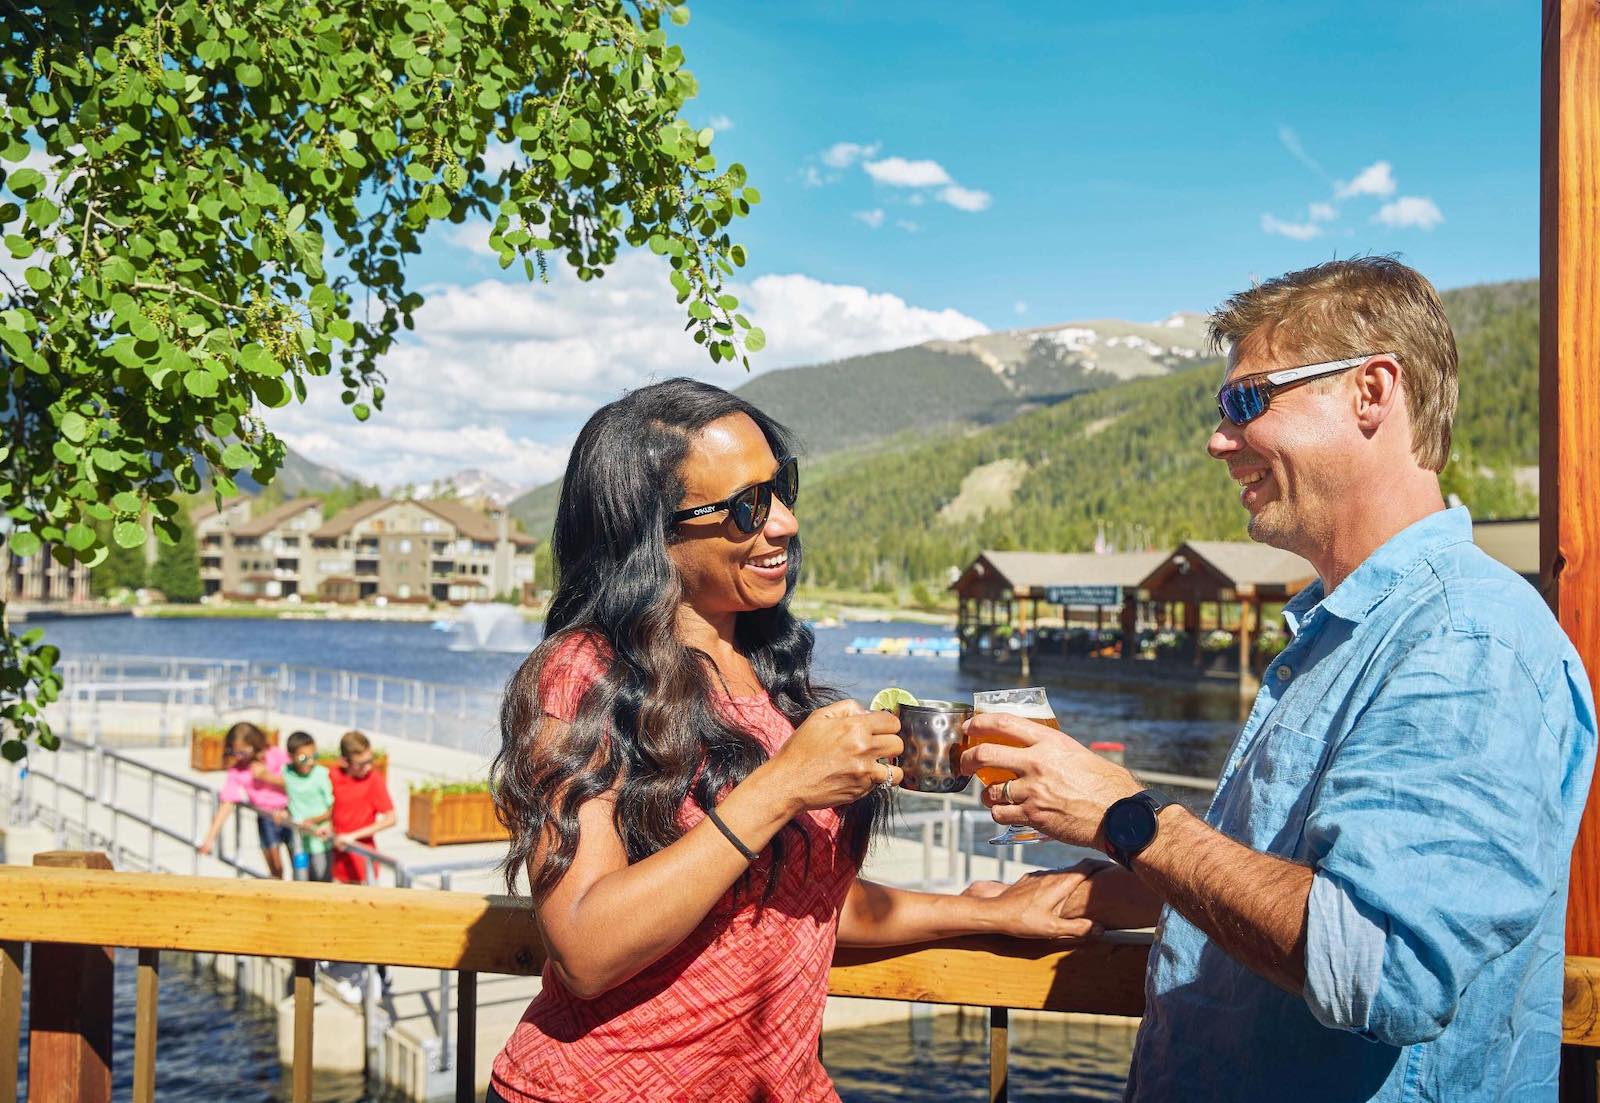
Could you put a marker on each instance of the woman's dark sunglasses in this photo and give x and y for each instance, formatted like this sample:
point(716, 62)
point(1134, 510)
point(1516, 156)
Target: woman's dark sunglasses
point(1248, 397)
point(749, 507)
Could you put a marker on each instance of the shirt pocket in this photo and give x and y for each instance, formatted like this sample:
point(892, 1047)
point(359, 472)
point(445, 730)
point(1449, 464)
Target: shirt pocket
point(1271, 791)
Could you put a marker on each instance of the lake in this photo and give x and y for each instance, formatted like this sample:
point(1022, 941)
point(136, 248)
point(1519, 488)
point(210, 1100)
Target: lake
point(1163, 729)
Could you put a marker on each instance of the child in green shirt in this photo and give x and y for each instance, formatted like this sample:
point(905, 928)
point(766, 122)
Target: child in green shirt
point(310, 795)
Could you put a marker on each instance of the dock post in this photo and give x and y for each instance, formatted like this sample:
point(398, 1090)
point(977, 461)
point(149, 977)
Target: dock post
point(70, 1014)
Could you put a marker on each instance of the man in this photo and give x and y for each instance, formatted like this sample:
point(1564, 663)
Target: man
point(1373, 907)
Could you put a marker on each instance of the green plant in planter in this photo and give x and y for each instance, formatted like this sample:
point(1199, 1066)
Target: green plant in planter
point(1217, 640)
point(438, 790)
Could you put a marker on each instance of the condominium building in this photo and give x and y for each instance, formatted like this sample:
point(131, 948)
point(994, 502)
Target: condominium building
point(256, 557)
point(423, 550)
point(39, 579)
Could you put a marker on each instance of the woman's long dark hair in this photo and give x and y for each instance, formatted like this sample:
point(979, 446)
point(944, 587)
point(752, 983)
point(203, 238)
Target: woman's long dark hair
point(648, 725)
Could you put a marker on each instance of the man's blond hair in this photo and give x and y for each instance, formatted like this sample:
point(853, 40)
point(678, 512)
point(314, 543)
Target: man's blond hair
point(1350, 308)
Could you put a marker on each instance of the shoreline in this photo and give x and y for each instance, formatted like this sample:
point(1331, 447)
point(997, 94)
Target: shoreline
point(809, 610)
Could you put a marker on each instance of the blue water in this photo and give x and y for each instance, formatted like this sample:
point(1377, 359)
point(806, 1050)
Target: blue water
point(1163, 729)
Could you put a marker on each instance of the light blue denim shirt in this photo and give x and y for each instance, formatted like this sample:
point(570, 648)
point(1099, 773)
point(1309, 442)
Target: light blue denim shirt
point(1424, 744)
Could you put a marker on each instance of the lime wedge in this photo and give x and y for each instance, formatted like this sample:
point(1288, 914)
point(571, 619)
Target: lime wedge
point(890, 700)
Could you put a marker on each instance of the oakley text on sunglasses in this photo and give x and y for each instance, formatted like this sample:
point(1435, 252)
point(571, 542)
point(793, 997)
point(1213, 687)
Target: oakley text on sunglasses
point(1243, 400)
point(749, 507)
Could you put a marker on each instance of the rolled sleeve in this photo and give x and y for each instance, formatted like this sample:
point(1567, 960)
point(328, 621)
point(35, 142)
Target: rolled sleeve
point(1344, 955)
point(1435, 836)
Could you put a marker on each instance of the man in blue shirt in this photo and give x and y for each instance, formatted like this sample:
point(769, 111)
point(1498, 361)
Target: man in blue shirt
point(1373, 908)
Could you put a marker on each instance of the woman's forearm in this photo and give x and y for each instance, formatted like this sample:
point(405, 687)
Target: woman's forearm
point(877, 915)
point(648, 907)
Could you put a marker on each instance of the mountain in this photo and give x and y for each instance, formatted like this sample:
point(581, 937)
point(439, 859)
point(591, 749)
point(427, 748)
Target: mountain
point(857, 403)
point(299, 476)
point(1130, 461)
point(472, 484)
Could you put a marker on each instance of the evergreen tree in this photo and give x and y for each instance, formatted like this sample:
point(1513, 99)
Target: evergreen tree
point(123, 569)
point(176, 572)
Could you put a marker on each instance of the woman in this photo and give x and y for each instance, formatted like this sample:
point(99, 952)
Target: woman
point(690, 810)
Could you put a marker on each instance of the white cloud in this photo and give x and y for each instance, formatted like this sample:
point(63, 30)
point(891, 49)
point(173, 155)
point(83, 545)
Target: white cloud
point(500, 375)
point(471, 235)
point(1410, 211)
point(1019, 307)
point(720, 122)
point(1299, 231)
point(841, 155)
point(499, 156)
point(965, 199)
point(873, 218)
point(1376, 179)
point(1291, 142)
point(907, 225)
point(1323, 212)
point(901, 173)
point(811, 178)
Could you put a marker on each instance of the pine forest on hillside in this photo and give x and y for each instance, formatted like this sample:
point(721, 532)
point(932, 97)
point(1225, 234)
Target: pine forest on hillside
point(1130, 461)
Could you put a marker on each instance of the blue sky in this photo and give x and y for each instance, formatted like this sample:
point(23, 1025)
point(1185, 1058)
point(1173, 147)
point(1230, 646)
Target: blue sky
point(1130, 155)
point(938, 169)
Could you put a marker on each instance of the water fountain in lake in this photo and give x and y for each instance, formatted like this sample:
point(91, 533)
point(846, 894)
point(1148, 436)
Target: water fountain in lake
point(489, 626)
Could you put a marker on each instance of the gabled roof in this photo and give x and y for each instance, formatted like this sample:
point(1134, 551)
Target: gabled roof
point(1023, 571)
point(342, 522)
point(469, 522)
point(277, 515)
point(1241, 563)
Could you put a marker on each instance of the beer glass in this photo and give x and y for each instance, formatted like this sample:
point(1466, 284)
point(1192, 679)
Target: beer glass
point(1030, 704)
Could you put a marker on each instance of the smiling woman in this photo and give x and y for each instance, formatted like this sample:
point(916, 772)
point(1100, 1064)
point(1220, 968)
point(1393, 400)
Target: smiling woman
point(672, 779)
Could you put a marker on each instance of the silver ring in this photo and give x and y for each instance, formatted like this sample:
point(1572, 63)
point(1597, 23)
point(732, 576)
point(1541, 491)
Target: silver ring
point(1005, 791)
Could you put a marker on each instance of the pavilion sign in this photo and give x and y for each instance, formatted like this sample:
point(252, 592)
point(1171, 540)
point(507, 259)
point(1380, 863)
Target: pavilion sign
point(1083, 595)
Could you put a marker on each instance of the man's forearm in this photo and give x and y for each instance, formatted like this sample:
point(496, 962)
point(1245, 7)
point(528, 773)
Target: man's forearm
point(1253, 905)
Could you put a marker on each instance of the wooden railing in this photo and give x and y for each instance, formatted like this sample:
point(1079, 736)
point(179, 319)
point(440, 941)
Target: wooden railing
point(474, 934)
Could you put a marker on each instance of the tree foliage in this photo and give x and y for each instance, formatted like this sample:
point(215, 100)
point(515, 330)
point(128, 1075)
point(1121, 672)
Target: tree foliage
point(211, 204)
point(176, 571)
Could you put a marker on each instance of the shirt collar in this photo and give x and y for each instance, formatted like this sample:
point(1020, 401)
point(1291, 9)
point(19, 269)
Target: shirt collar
point(1396, 558)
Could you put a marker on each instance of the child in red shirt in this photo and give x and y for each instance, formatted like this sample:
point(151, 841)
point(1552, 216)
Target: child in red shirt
point(361, 807)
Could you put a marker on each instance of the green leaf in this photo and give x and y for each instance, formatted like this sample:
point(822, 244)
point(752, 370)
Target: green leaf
point(37, 278)
point(581, 159)
point(127, 502)
point(25, 182)
point(361, 410)
point(254, 358)
point(236, 455)
point(680, 16)
point(73, 426)
point(24, 543)
point(200, 383)
point(128, 534)
point(80, 537)
point(248, 75)
point(755, 340)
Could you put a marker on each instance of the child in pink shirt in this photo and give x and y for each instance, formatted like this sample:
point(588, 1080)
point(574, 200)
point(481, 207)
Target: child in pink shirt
point(255, 777)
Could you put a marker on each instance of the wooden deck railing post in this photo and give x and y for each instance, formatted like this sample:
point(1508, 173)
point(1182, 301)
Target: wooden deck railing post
point(70, 1014)
point(1569, 409)
point(305, 972)
point(144, 1026)
point(999, 1054)
point(466, 1036)
point(10, 1018)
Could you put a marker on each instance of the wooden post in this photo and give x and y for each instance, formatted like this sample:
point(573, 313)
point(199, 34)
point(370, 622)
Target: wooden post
point(1569, 410)
point(69, 1010)
point(10, 1018)
point(1569, 380)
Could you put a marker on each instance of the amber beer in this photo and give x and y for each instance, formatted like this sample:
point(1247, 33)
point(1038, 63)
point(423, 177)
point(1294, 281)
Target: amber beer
point(1029, 704)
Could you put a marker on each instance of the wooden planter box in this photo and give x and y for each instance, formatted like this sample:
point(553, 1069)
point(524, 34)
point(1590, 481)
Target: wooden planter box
point(439, 819)
point(205, 747)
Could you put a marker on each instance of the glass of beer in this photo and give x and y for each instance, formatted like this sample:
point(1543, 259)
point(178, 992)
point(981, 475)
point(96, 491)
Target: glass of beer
point(1030, 704)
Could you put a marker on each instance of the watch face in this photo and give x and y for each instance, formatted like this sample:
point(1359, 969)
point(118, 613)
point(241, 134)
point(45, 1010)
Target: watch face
point(1130, 825)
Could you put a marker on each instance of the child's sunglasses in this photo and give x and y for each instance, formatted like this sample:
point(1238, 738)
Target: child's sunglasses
point(1243, 400)
point(749, 507)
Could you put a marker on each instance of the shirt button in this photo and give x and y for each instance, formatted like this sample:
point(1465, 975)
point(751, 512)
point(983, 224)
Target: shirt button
point(1284, 674)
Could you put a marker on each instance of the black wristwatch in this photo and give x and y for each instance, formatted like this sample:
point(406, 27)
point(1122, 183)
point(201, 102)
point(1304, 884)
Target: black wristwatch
point(1130, 825)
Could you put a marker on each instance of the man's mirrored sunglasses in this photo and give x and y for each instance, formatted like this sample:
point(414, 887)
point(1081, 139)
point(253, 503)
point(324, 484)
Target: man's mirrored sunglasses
point(1243, 400)
point(750, 507)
